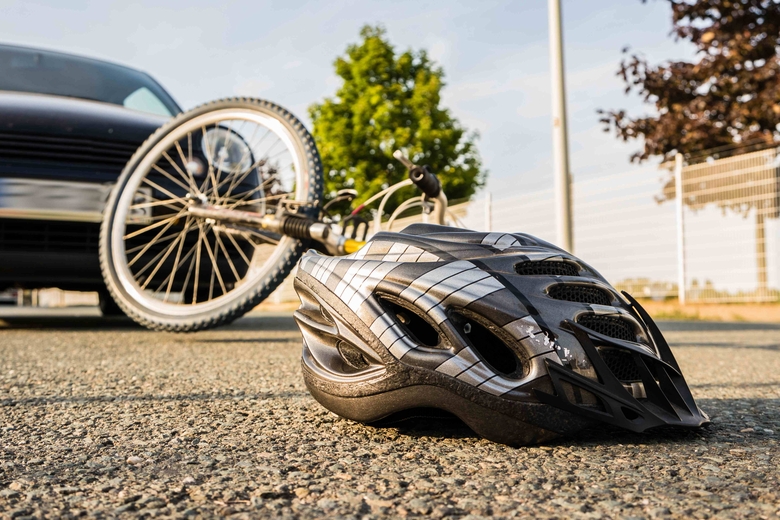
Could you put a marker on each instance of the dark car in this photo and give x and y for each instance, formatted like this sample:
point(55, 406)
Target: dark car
point(68, 126)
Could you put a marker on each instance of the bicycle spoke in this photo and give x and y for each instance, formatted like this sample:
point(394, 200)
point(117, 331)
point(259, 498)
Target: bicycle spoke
point(209, 158)
point(267, 239)
point(160, 188)
point(169, 176)
point(137, 248)
point(233, 179)
point(150, 244)
point(197, 264)
point(216, 268)
point(189, 270)
point(240, 202)
point(168, 251)
point(153, 226)
point(156, 202)
point(233, 186)
point(247, 150)
point(278, 154)
point(187, 187)
point(227, 256)
point(245, 195)
point(138, 274)
point(170, 278)
point(243, 156)
point(176, 268)
point(218, 168)
point(256, 146)
point(240, 251)
point(189, 178)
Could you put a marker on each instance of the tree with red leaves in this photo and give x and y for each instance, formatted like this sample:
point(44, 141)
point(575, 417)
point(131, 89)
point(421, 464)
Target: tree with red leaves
point(730, 95)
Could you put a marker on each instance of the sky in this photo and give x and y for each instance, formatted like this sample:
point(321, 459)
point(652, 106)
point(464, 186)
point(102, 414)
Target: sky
point(494, 55)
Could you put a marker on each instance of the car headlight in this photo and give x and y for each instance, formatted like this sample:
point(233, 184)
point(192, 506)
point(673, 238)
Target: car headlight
point(231, 153)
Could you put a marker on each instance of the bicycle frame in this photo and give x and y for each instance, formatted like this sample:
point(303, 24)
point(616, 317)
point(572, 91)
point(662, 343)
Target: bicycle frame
point(289, 224)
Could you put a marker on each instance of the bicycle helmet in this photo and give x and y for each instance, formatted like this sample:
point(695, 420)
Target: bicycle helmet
point(519, 339)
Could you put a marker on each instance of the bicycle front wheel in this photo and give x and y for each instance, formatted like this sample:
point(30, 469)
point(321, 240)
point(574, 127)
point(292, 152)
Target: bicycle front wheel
point(170, 270)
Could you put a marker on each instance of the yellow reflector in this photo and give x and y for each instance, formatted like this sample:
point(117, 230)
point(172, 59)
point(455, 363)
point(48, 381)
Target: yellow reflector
point(350, 246)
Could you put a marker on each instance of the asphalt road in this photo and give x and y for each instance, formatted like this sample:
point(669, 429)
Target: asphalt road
point(99, 417)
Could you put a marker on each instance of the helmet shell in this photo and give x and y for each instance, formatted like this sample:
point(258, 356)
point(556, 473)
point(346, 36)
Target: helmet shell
point(521, 340)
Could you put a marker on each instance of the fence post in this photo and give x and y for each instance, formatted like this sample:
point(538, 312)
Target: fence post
point(488, 212)
point(678, 191)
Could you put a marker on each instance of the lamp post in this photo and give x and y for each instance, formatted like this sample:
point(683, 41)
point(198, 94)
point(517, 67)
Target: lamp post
point(563, 207)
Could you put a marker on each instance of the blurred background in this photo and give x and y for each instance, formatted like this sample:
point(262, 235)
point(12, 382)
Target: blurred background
point(713, 241)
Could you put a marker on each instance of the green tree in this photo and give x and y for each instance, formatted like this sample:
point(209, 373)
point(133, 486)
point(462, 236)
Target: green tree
point(391, 101)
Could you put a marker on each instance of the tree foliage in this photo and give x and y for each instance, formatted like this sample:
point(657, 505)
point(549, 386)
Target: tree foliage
point(390, 101)
point(729, 94)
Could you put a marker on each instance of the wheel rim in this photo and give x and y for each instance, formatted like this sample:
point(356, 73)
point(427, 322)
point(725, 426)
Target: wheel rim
point(178, 265)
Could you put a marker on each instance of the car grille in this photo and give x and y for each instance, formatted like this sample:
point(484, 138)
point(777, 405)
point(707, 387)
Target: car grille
point(79, 152)
point(48, 237)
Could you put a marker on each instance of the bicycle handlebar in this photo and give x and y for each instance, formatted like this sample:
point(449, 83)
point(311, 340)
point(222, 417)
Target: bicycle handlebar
point(421, 176)
point(426, 180)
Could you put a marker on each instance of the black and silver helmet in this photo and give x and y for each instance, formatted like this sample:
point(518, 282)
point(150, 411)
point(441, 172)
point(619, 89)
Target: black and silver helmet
point(521, 340)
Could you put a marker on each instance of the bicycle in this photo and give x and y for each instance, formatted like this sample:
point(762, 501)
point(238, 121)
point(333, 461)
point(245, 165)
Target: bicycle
point(214, 210)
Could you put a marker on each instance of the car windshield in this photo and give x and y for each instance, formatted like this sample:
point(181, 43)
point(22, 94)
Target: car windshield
point(43, 72)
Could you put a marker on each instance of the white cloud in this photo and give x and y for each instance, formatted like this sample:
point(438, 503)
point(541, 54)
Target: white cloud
point(253, 87)
point(438, 50)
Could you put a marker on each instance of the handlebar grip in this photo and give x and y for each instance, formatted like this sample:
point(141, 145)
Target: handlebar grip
point(426, 180)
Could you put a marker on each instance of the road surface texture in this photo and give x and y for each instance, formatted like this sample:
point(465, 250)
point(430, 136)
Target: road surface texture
point(102, 418)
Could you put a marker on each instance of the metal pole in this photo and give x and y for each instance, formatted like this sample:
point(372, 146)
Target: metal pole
point(680, 215)
point(488, 212)
point(560, 141)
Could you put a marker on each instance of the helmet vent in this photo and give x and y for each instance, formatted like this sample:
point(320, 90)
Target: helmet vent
point(579, 294)
point(608, 326)
point(493, 350)
point(547, 267)
point(352, 355)
point(413, 324)
point(621, 364)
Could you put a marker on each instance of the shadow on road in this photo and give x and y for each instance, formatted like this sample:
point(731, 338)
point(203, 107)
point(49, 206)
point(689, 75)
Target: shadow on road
point(712, 326)
point(76, 399)
point(82, 320)
point(709, 344)
point(258, 321)
point(763, 411)
point(83, 323)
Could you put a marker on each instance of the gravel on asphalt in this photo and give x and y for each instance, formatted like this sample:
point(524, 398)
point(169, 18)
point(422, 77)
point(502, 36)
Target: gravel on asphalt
point(102, 418)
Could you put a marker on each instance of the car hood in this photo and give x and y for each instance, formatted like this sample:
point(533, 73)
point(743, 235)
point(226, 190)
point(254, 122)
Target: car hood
point(70, 117)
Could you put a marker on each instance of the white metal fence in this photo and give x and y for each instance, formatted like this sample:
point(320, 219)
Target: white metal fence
point(724, 241)
point(730, 228)
point(628, 227)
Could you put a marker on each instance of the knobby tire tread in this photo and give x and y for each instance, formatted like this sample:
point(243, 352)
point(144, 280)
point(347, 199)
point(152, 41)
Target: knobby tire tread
point(264, 287)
